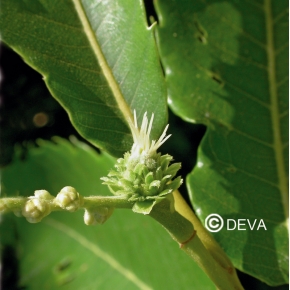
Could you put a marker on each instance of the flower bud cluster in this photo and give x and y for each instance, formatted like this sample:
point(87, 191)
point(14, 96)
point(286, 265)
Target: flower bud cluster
point(69, 199)
point(41, 204)
point(37, 206)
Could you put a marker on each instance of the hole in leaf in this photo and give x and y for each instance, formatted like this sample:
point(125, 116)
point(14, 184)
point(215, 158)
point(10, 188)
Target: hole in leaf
point(63, 265)
point(217, 80)
point(202, 39)
point(201, 32)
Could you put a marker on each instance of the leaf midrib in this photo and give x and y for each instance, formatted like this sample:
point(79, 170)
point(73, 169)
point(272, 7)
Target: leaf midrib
point(102, 61)
point(274, 108)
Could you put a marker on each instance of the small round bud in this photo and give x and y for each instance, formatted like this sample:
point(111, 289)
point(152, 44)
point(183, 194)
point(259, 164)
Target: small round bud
point(97, 216)
point(89, 218)
point(69, 199)
point(43, 194)
point(35, 210)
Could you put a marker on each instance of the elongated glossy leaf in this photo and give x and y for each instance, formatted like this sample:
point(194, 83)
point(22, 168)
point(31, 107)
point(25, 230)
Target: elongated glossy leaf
point(130, 251)
point(226, 67)
point(98, 59)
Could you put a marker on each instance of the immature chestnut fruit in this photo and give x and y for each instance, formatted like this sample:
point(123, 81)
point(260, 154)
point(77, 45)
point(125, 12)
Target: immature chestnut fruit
point(143, 174)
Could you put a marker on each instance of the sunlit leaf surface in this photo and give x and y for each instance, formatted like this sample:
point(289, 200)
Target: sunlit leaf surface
point(226, 65)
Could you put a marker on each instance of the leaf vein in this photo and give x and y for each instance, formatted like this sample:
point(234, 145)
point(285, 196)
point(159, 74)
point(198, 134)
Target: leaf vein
point(102, 62)
point(57, 22)
point(46, 41)
point(252, 138)
point(248, 60)
point(280, 15)
point(282, 82)
point(246, 94)
point(278, 147)
point(282, 48)
point(84, 100)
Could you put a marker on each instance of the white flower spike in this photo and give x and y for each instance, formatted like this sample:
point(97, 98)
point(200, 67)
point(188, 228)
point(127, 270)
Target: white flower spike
point(144, 175)
point(142, 136)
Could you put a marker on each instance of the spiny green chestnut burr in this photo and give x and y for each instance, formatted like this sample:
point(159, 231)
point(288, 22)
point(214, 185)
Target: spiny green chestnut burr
point(143, 174)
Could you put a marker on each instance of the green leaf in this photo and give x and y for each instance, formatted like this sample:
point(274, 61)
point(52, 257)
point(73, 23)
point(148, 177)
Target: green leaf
point(226, 65)
point(98, 60)
point(130, 251)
